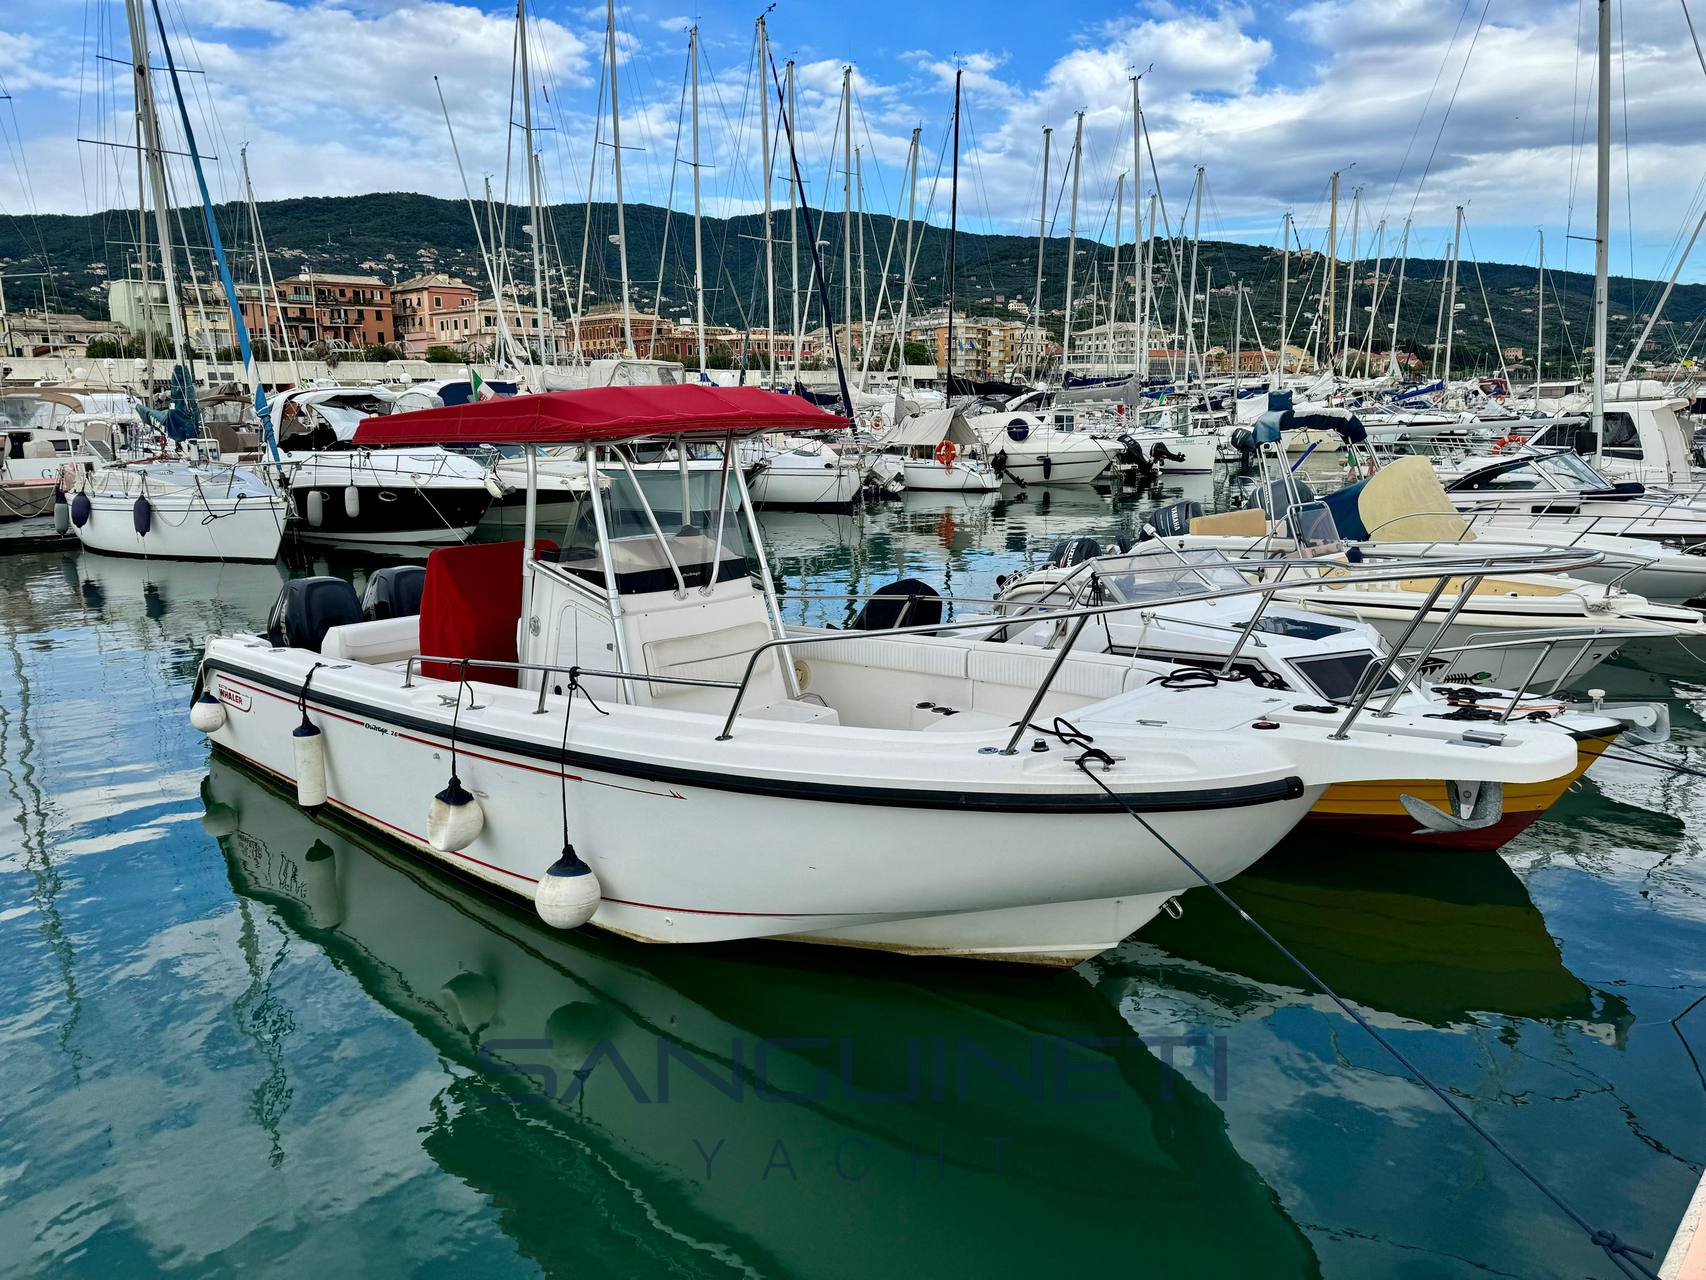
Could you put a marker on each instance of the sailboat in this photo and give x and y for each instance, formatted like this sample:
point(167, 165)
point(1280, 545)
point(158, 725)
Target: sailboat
point(190, 506)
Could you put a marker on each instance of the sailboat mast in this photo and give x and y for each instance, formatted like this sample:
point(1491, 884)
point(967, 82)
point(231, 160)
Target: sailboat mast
point(534, 221)
point(1114, 284)
point(1140, 305)
point(264, 273)
point(1451, 300)
point(698, 236)
point(1042, 247)
point(1398, 301)
point(1332, 290)
point(859, 183)
point(847, 207)
point(1374, 297)
point(1191, 295)
point(793, 235)
point(1071, 244)
point(156, 173)
point(142, 259)
point(1148, 286)
point(1351, 277)
point(1602, 232)
point(769, 228)
point(1539, 317)
point(616, 153)
point(1285, 296)
point(906, 273)
point(954, 231)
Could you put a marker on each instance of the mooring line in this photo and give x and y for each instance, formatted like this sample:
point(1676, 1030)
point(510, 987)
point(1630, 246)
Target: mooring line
point(1625, 1257)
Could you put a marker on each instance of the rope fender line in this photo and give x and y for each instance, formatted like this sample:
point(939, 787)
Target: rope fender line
point(1624, 1256)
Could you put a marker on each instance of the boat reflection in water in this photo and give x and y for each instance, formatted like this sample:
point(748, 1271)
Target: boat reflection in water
point(1408, 936)
point(774, 1112)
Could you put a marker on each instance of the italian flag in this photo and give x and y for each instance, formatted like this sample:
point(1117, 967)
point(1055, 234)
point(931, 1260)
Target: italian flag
point(481, 390)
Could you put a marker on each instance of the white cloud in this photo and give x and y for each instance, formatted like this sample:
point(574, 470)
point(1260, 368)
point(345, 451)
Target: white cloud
point(338, 96)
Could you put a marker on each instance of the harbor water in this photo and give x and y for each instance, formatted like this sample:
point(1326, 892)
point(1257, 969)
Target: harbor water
point(240, 1037)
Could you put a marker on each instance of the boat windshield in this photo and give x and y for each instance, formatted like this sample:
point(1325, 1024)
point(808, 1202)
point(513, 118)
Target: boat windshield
point(1553, 471)
point(1146, 576)
point(659, 519)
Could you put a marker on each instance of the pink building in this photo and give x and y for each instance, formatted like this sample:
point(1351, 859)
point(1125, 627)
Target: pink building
point(434, 311)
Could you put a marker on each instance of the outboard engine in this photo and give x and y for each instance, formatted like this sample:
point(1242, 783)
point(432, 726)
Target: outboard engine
point(1174, 519)
point(1073, 551)
point(1244, 444)
point(903, 603)
point(307, 608)
point(1132, 452)
point(394, 592)
point(1161, 453)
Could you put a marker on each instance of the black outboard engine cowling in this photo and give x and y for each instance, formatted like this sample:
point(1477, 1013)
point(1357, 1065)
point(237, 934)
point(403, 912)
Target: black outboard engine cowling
point(1161, 453)
point(394, 592)
point(1245, 445)
point(1174, 519)
point(307, 608)
point(906, 602)
point(1073, 551)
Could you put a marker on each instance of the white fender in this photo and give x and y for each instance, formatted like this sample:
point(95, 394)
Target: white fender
point(309, 746)
point(454, 818)
point(568, 894)
point(316, 508)
point(207, 714)
point(352, 501)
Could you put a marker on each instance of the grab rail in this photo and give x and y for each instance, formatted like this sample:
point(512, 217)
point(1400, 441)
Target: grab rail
point(551, 668)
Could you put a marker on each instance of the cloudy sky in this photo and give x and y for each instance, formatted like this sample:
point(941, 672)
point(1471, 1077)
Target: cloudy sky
point(1423, 104)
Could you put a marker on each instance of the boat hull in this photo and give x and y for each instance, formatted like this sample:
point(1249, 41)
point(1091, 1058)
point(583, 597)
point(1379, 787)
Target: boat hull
point(1372, 812)
point(701, 855)
point(802, 487)
point(387, 515)
point(202, 528)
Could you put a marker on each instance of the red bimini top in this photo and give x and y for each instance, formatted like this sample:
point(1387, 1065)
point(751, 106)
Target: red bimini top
point(602, 415)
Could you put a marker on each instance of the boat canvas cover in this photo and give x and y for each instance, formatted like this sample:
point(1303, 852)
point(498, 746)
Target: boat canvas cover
point(927, 430)
point(1404, 502)
point(601, 415)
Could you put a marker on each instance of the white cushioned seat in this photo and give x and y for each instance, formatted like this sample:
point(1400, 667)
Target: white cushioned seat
point(1088, 675)
point(376, 643)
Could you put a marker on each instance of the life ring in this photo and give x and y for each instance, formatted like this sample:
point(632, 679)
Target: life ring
point(877, 422)
point(945, 454)
point(1508, 442)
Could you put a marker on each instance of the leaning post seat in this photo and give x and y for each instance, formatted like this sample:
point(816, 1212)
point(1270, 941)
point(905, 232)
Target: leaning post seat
point(307, 608)
point(471, 605)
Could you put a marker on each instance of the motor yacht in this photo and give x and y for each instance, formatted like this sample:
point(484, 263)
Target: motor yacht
point(345, 494)
point(627, 692)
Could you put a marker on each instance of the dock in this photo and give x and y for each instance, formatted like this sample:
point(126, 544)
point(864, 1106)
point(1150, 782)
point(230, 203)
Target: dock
point(34, 534)
point(1686, 1257)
